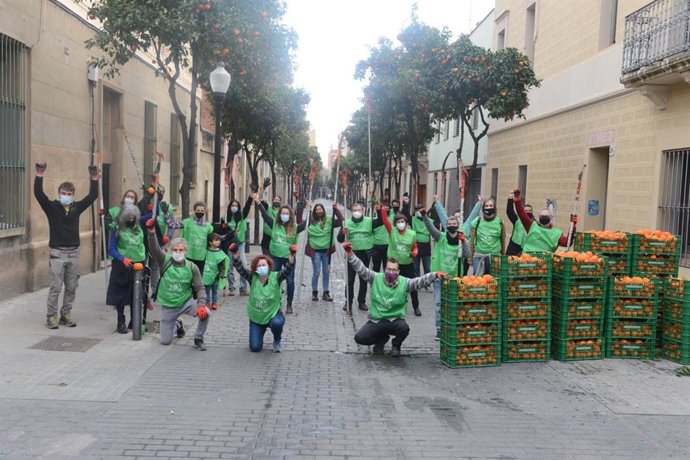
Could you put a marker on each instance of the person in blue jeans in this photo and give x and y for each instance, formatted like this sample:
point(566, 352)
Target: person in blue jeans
point(265, 297)
point(320, 247)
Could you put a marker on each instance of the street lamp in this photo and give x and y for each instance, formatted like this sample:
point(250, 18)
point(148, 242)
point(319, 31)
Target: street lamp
point(220, 82)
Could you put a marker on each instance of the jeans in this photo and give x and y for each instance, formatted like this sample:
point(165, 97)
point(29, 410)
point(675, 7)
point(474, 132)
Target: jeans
point(231, 272)
point(408, 272)
point(212, 292)
point(352, 276)
point(437, 304)
point(319, 263)
point(169, 327)
point(425, 262)
point(64, 269)
point(257, 331)
point(373, 333)
point(279, 262)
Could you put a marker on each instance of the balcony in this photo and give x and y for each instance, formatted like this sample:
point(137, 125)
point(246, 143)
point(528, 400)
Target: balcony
point(656, 48)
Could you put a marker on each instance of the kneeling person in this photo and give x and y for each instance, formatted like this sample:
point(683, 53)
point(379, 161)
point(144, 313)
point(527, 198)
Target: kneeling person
point(179, 279)
point(388, 302)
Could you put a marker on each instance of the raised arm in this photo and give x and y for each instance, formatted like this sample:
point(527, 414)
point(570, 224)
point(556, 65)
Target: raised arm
point(239, 266)
point(510, 211)
point(41, 197)
point(385, 220)
point(524, 218)
point(474, 213)
point(433, 231)
point(358, 266)
point(247, 207)
point(154, 248)
point(83, 205)
point(338, 217)
point(415, 284)
point(442, 214)
point(267, 218)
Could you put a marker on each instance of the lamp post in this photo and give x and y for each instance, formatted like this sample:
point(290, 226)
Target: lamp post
point(220, 83)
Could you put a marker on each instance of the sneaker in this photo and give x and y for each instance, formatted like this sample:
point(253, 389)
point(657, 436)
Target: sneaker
point(121, 328)
point(277, 347)
point(378, 348)
point(199, 344)
point(66, 320)
point(395, 352)
point(244, 293)
point(417, 312)
point(347, 307)
point(288, 309)
point(213, 306)
point(180, 328)
point(231, 292)
point(327, 297)
point(362, 306)
point(52, 321)
point(314, 296)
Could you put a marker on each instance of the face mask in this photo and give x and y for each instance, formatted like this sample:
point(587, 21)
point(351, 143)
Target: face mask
point(276, 204)
point(131, 223)
point(452, 229)
point(129, 200)
point(530, 215)
point(262, 271)
point(356, 215)
point(544, 220)
point(285, 218)
point(489, 211)
point(401, 226)
point(396, 208)
point(66, 200)
point(178, 256)
point(199, 215)
point(391, 277)
point(418, 215)
point(234, 209)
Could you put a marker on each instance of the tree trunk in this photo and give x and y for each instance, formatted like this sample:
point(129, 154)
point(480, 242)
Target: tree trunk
point(188, 137)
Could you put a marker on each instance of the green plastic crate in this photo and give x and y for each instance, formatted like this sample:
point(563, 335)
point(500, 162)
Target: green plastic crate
point(645, 246)
point(526, 351)
point(575, 288)
point(569, 267)
point(577, 328)
point(632, 307)
point(623, 289)
point(631, 328)
point(677, 351)
point(655, 265)
point(458, 356)
point(678, 310)
point(578, 308)
point(676, 330)
point(471, 311)
point(510, 267)
point(455, 288)
point(618, 264)
point(470, 333)
point(526, 330)
point(526, 289)
point(526, 308)
point(677, 289)
point(590, 242)
point(631, 348)
point(577, 349)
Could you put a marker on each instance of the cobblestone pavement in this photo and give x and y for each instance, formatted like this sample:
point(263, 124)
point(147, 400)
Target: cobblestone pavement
point(322, 398)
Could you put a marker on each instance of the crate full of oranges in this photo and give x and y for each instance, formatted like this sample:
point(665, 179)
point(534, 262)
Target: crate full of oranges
point(632, 286)
point(578, 349)
point(647, 241)
point(603, 241)
point(525, 265)
point(479, 355)
point(476, 288)
point(571, 264)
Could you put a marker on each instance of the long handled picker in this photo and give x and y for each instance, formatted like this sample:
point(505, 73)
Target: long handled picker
point(575, 205)
point(312, 178)
point(463, 173)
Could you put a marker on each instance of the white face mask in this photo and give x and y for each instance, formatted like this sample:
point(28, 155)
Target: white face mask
point(66, 200)
point(234, 209)
point(285, 218)
point(401, 226)
point(356, 214)
point(178, 256)
point(129, 200)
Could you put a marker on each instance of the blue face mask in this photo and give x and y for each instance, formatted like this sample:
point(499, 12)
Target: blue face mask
point(285, 218)
point(66, 200)
point(262, 271)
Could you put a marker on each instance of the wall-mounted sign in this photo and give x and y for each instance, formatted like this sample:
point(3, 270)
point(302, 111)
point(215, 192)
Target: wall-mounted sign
point(593, 208)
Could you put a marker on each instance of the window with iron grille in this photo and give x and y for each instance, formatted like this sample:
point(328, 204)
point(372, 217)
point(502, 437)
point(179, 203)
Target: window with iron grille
point(175, 149)
point(438, 132)
point(674, 198)
point(150, 138)
point(13, 148)
point(446, 130)
point(456, 133)
point(475, 119)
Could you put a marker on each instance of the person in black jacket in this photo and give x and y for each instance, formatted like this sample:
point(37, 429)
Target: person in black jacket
point(63, 224)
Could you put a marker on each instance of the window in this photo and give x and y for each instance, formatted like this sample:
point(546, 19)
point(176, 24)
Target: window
point(501, 40)
point(13, 95)
point(175, 152)
point(456, 132)
point(150, 138)
point(607, 23)
point(522, 181)
point(475, 118)
point(494, 182)
point(446, 130)
point(438, 131)
point(674, 198)
point(530, 28)
point(207, 141)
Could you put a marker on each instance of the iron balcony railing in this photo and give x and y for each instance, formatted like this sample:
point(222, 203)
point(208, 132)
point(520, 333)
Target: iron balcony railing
point(656, 32)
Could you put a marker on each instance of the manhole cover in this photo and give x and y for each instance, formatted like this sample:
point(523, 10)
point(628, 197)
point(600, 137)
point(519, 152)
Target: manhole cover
point(80, 344)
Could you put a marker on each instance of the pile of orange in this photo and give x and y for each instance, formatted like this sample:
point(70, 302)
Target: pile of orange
point(587, 257)
point(608, 235)
point(477, 280)
point(657, 235)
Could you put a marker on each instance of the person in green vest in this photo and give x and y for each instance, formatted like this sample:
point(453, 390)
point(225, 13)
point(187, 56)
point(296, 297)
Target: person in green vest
point(265, 298)
point(388, 304)
point(423, 239)
point(284, 232)
point(216, 268)
point(517, 237)
point(466, 227)
point(541, 235)
point(267, 230)
point(129, 197)
point(320, 246)
point(403, 248)
point(195, 232)
point(487, 238)
point(381, 236)
point(445, 258)
point(179, 284)
point(360, 231)
point(126, 248)
point(237, 224)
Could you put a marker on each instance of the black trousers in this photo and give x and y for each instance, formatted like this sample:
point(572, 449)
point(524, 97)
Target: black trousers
point(379, 332)
point(408, 272)
point(513, 249)
point(351, 276)
point(200, 264)
point(379, 256)
point(265, 243)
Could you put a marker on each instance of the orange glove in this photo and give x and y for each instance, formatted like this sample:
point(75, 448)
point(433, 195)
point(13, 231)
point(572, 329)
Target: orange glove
point(441, 275)
point(202, 312)
point(165, 240)
point(574, 219)
point(293, 249)
point(101, 212)
point(234, 248)
point(462, 236)
point(150, 224)
point(127, 262)
point(414, 252)
point(348, 247)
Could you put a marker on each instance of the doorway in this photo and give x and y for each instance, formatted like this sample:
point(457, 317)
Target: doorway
point(597, 179)
point(111, 146)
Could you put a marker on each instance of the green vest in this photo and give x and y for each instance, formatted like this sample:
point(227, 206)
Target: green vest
point(487, 237)
point(197, 238)
point(211, 268)
point(388, 302)
point(130, 243)
point(445, 257)
point(381, 236)
point(519, 233)
point(162, 224)
point(422, 233)
point(541, 239)
point(175, 286)
point(400, 246)
point(361, 235)
point(264, 301)
point(320, 237)
point(240, 229)
point(280, 241)
point(113, 212)
point(268, 230)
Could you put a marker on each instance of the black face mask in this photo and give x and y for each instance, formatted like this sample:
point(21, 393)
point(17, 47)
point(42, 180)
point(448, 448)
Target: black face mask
point(395, 208)
point(276, 204)
point(544, 220)
point(452, 229)
point(199, 215)
point(131, 223)
point(488, 212)
point(530, 215)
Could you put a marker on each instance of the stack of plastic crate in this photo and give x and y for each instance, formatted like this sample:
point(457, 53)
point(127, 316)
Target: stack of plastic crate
point(578, 306)
point(676, 326)
point(616, 246)
point(470, 322)
point(526, 286)
point(631, 317)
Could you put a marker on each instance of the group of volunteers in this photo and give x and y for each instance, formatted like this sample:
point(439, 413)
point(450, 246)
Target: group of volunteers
point(387, 251)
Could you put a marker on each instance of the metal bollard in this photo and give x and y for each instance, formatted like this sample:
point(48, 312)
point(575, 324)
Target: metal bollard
point(137, 301)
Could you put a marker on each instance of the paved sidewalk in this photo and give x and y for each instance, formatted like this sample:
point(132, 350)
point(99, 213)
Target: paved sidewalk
point(324, 397)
